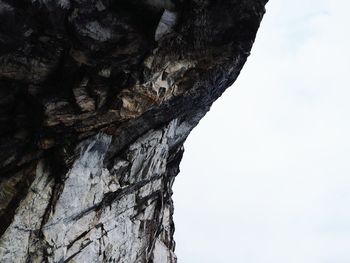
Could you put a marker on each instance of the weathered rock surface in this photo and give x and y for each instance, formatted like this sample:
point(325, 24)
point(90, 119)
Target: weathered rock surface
point(96, 101)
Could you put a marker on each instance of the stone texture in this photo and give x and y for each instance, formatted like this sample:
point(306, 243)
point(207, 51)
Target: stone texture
point(96, 101)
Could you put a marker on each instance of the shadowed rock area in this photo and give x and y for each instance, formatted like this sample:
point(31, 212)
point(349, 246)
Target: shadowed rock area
point(96, 100)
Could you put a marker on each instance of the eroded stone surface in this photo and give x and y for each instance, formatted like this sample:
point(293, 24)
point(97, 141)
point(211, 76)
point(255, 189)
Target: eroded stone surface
point(101, 215)
point(96, 101)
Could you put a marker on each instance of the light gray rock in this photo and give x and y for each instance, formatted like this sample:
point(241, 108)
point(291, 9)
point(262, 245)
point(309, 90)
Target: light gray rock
point(101, 215)
point(166, 24)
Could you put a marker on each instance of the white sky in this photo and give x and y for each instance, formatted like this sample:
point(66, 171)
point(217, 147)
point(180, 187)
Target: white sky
point(266, 174)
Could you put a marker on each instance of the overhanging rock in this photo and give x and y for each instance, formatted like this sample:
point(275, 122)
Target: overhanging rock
point(96, 101)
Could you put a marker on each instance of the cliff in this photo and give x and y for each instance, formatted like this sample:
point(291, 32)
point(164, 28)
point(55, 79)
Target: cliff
point(96, 100)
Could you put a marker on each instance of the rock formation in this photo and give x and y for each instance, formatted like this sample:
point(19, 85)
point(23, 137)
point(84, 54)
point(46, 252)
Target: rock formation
point(96, 100)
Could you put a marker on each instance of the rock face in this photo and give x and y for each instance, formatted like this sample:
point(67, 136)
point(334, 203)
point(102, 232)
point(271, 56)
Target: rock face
point(96, 101)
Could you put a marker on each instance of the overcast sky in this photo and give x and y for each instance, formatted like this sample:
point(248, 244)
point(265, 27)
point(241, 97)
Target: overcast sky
point(266, 174)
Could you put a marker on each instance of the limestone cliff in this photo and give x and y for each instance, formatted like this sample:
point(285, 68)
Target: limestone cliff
point(96, 100)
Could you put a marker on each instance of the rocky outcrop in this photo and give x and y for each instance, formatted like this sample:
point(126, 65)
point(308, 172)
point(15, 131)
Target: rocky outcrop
point(96, 101)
